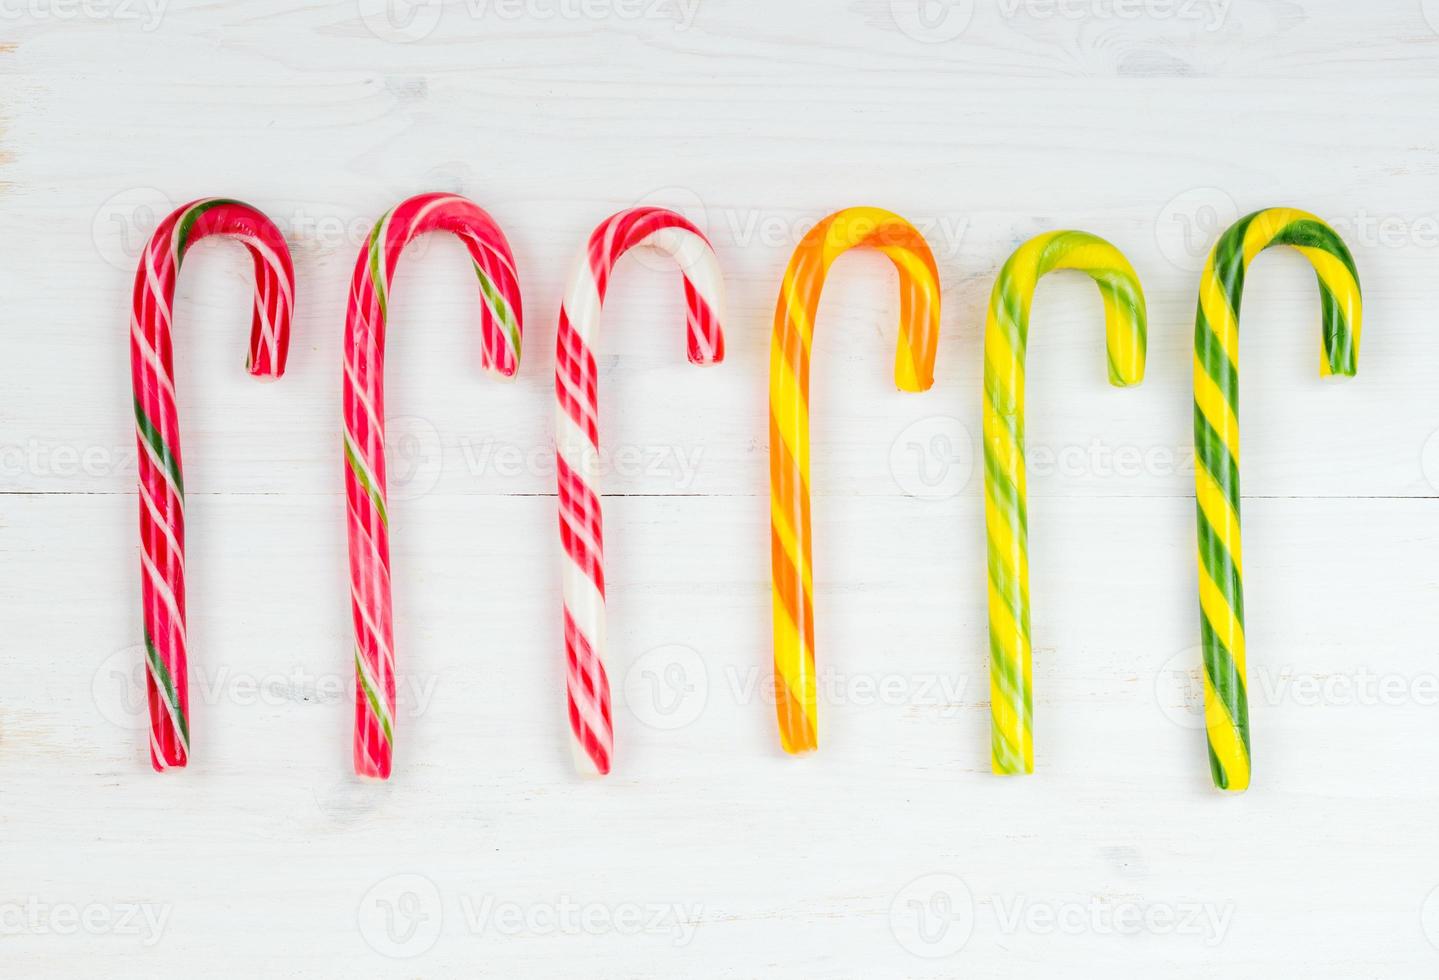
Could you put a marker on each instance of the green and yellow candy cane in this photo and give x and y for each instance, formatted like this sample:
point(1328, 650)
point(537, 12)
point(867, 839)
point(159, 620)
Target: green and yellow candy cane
point(1216, 447)
point(1006, 334)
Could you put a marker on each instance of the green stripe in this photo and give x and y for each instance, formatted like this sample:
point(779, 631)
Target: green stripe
point(186, 225)
point(1009, 674)
point(1010, 589)
point(1216, 363)
point(1211, 453)
point(1006, 495)
point(353, 460)
point(1219, 564)
point(151, 435)
point(377, 274)
point(166, 684)
point(503, 314)
point(373, 698)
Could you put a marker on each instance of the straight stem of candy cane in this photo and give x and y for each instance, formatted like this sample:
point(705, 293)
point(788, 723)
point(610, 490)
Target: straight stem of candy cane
point(1216, 443)
point(1006, 338)
point(157, 434)
point(577, 444)
point(796, 701)
point(364, 435)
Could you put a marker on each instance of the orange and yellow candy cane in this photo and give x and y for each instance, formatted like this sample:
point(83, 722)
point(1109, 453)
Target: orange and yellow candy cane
point(790, 543)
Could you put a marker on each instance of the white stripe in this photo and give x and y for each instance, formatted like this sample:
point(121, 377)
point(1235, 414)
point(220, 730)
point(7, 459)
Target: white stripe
point(164, 525)
point(159, 464)
point(582, 301)
point(372, 683)
point(166, 596)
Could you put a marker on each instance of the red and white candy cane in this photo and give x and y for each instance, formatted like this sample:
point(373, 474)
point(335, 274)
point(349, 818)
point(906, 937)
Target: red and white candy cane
point(364, 409)
point(157, 435)
point(577, 443)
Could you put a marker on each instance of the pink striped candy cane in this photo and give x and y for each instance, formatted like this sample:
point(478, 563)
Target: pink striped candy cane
point(577, 443)
point(157, 435)
point(364, 409)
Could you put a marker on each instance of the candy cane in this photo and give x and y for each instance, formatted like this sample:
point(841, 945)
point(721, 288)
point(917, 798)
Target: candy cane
point(577, 443)
point(364, 410)
point(790, 545)
point(1006, 336)
point(1216, 439)
point(157, 435)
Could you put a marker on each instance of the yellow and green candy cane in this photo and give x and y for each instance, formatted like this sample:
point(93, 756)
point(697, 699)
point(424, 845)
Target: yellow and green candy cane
point(1006, 334)
point(1216, 448)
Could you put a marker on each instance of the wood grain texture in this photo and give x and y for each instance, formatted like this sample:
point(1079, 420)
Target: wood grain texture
point(892, 852)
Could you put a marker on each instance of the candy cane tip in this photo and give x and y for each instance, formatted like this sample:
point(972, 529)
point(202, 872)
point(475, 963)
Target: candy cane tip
point(586, 764)
point(502, 373)
point(914, 386)
point(799, 747)
point(999, 769)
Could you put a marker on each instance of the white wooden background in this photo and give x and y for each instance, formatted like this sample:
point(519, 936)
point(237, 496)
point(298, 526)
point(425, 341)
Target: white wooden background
point(893, 851)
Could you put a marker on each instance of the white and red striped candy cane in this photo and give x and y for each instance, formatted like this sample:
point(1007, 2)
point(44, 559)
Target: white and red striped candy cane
point(157, 435)
point(577, 443)
point(364, 410)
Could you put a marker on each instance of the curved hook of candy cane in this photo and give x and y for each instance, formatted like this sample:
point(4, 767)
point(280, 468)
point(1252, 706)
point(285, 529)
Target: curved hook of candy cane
point(364, 437)
point(157, 434)
point(1216, 441)
point(1006, 336)
point(577, 444)
point(790, 539)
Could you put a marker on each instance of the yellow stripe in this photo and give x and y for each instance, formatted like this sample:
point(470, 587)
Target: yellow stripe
point(1218, 512)
point(1216, 410)
point(1266, 226)
point(795, 313)
point(1221, 620)
point(1214, 301)
point(1337, 279)
point(788, 642)
point(1005, 541)
point(1003, 364)
point(1224, 739)
point(780, 523)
